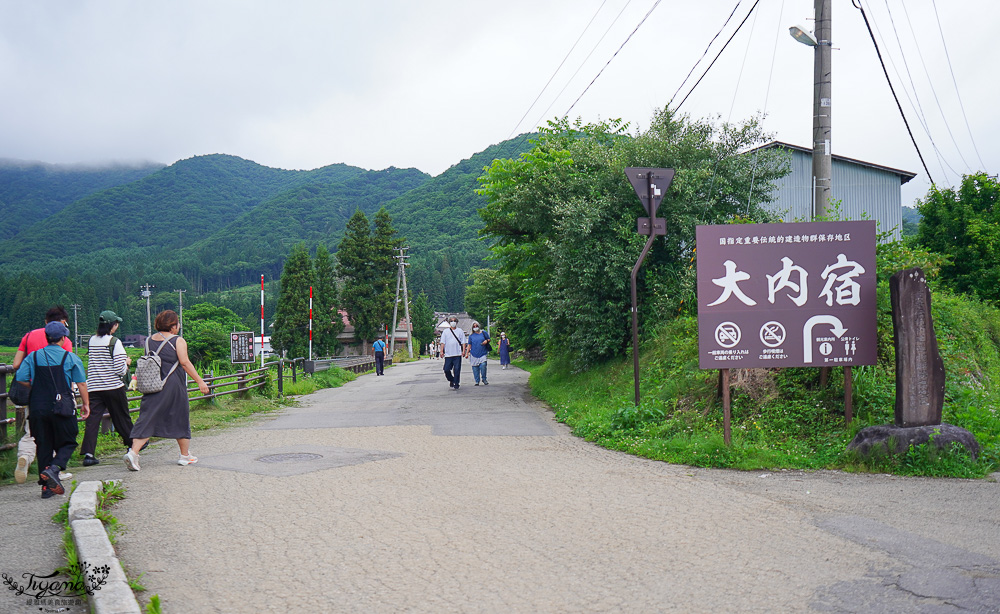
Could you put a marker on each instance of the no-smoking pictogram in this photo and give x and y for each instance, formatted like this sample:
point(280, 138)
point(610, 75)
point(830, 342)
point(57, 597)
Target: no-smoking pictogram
point(728, 334)
point(772, 334)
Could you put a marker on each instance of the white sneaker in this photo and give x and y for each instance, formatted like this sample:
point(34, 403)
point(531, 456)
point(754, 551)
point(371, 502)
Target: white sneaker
point(21, 472)
point(65, 475)
point(132, 461)
point(190, 459)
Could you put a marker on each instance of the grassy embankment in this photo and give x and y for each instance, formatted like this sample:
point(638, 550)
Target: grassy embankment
point(782, 418)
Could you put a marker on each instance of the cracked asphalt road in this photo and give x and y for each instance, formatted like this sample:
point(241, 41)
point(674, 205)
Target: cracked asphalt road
point(397, 493)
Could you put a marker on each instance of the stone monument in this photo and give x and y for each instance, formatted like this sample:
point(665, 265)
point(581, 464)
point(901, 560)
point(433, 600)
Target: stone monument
point(919, 376)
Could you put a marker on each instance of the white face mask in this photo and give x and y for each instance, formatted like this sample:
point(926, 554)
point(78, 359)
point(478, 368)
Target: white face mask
point(475, 328)
point(454, 324)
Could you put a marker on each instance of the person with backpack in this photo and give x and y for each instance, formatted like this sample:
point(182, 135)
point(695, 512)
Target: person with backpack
point(35, 340)
point(166, 412)
point(379, 347)
point(107, 365)
point(52, 371)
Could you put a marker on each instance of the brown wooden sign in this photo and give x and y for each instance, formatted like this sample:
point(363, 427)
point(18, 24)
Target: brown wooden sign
point(786, 295)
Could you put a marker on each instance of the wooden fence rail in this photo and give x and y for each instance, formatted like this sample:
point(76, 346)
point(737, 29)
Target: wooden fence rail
point(244, 381)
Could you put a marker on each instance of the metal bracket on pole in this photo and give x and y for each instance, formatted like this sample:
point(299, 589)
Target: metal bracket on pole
point(650, 185)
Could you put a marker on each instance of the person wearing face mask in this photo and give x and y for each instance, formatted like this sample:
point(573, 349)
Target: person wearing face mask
point(455, 348)
point(504, 350)
point(478, 352)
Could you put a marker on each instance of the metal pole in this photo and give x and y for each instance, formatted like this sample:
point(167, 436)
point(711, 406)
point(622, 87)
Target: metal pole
point(406, 311)
point(180, 316)
point(149, 319)
point(261, 321)
point(310, 322)
point(822, 158)
point(76, 328)
point(395, 303)
point(635, 297)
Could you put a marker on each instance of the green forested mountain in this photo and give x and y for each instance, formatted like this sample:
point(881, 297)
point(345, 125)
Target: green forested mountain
point(32, 191)
point(212, 225)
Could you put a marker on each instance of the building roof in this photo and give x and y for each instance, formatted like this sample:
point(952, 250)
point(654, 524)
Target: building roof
point(904, 176)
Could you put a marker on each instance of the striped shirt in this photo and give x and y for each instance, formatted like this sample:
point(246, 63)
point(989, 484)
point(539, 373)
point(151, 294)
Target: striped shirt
point(103, 373)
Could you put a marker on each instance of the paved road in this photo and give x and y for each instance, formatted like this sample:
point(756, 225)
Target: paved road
point(396, 493)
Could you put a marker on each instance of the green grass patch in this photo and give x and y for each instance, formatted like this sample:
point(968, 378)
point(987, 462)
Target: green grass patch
point(781, 418)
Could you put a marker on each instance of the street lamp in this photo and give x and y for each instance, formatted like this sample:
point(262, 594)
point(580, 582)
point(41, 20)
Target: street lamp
point(822, 156)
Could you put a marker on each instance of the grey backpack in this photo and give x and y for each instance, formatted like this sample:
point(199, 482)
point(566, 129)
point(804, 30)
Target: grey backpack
point(147, 370)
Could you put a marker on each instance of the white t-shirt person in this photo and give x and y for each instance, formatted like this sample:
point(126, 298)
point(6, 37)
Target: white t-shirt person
point(454, 344)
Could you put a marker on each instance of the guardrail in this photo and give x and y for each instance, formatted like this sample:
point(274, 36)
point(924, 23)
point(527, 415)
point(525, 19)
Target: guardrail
point(244, 380)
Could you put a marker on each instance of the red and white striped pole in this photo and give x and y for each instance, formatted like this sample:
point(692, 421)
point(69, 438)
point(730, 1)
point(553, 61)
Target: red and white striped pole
point(310, 322)
point(261, 321)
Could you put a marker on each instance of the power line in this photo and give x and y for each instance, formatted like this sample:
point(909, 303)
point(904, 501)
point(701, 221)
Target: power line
point(681, 103)
point(913, 86)
point(916, 43)
point(704, 53)
point(655, 4)
point(767, 96)
point(532, 105)
point(955, 82)
point(857, 5)
point(583, 63)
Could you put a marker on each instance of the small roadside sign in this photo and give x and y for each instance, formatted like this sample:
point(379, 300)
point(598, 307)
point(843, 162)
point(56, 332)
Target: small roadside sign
point(241, 348)
point(650, 182)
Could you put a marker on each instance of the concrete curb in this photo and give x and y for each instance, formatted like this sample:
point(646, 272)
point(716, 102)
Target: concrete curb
point(94, 548)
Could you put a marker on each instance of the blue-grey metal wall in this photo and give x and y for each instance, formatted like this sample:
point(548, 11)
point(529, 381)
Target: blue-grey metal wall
point(865, 192)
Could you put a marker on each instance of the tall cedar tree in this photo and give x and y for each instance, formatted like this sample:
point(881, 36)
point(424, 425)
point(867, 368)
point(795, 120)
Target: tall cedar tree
point(385, 248)
point(356, 268)
point(291, 320)
point(327, 323)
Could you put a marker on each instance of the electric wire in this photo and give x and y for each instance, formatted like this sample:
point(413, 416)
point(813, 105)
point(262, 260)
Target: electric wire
point(937, 101)
point(704, 53)
point(693, 87)
point(955, 82)
point(767, 96)
point(558, 68)
point(655, 4)
point(583, 63)
point(913, 86)
point(857, 5)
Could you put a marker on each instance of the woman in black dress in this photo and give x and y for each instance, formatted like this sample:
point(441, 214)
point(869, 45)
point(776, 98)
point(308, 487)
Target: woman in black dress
point(166, 413)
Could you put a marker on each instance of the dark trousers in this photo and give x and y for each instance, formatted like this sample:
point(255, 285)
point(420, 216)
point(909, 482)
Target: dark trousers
point(55, 439)
point(453, 369)
point(379, 362)
point(114, 402)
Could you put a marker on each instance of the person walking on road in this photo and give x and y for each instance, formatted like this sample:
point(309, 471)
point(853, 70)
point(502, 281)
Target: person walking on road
point(35, 340)
point(379, 347)
point(454, 349)
point(166, 413)
point(504, 349)
point(478, 352)
point(107, 365)
point(52, 371)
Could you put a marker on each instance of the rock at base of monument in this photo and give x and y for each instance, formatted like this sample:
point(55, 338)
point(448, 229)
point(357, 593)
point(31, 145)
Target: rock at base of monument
point(898, 439)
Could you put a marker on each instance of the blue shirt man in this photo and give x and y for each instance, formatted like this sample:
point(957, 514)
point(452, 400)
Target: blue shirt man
point(379, 347)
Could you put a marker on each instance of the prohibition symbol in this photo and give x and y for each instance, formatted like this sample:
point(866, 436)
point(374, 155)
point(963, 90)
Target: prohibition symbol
point(772, 334)
point(727, 334)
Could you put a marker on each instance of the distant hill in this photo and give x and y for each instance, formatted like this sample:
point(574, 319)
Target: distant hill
point(911, 221)
point(214, 224)
point(32, 191)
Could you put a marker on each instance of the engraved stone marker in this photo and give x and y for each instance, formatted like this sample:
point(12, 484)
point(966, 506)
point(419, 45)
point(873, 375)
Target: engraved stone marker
point(919, 368)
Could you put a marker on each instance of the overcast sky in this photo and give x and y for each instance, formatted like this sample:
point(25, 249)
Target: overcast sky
point(427, 83)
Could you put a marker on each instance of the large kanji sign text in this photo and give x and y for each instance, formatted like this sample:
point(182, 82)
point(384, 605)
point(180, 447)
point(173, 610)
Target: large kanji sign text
point(786, 295)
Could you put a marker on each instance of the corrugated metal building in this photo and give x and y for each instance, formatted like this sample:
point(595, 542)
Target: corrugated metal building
point(864, 189)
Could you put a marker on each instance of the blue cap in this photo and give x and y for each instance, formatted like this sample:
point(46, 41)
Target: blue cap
point(56, 329)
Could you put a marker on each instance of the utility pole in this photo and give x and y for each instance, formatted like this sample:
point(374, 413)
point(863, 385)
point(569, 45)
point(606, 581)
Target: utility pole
point(76, 329)
point(149, 321)
point(401, 279)
point(822, 159)
point(180, 314)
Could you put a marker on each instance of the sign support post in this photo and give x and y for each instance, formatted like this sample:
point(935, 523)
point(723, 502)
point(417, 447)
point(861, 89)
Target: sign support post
point(261, 321)
point(310, 322)
point(650, 184)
